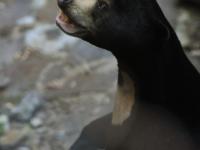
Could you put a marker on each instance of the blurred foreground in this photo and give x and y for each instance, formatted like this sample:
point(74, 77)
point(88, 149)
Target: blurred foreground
point(52, 85)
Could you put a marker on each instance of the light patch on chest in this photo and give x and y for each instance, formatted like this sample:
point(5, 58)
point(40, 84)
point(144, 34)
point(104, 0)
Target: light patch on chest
point(85, 5)
point(125, 99)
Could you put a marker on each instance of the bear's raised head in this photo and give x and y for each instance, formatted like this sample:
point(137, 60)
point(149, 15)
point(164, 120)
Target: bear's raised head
point(112, 24)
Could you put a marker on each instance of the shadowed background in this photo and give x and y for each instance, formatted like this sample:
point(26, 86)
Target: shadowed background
point(52, 85)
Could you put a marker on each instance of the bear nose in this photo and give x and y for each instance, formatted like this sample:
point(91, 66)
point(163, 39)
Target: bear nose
point(63, 3)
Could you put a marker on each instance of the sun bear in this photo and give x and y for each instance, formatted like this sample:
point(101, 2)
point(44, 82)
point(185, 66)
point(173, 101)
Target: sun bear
point(157, 101)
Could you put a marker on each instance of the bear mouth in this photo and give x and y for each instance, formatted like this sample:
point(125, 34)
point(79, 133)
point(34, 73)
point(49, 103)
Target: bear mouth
point(68, 25)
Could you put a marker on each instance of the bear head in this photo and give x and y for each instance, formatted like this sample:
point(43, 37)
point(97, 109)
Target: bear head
point(114, 24)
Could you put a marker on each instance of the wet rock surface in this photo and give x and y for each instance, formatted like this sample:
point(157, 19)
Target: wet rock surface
point(52, 85)
point(28, 106)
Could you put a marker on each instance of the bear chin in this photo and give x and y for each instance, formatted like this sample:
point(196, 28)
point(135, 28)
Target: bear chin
point(68, 25)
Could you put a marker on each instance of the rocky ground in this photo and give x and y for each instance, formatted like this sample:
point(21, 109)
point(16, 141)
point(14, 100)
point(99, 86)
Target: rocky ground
point(52, 85)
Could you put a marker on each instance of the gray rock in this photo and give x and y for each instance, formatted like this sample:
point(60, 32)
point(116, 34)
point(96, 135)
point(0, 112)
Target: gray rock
point(2, 5)
point(48, 39)
point(182, 28)
point(26, 21)
point(60, 135)
point(38, 4)
point(23, 148)
point(170, 9)
point(28, 106)
point(36, 122)
point(13, 138)
point(4, 82)
point(4, 124)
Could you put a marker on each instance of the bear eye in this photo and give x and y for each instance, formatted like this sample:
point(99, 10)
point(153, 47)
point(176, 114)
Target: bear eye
point(102, 5)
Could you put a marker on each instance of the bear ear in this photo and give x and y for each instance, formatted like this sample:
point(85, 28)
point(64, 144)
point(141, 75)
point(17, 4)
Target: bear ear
point(162, 29)
point(158, 20)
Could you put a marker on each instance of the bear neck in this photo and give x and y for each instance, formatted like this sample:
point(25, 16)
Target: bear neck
point(162, 75)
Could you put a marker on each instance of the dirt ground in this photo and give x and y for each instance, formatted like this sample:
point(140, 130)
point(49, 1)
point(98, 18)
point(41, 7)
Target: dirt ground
point(52, 85)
